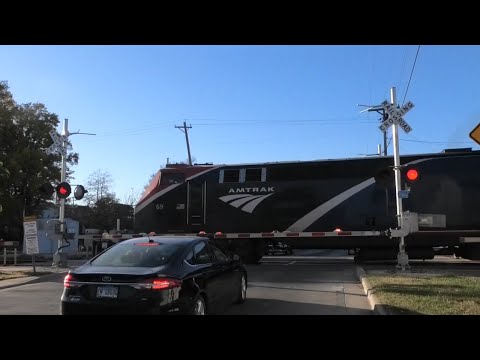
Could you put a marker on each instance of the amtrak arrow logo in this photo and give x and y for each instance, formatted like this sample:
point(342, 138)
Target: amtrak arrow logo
point(245, 202)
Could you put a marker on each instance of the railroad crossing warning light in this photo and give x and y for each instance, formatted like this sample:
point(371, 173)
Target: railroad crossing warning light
point(412, 175)
point(79, 192)
point(46, 190)
point(63, 190)
point(385, 177)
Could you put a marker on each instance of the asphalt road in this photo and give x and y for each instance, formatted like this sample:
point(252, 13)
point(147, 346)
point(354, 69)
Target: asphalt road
point(36, 298)
point(317, 282)
point(314, 282)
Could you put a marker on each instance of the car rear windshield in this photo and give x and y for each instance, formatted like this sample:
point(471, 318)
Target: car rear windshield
point(137, 255)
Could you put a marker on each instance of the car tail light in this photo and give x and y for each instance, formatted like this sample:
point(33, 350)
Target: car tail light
point(67, 282)
point(162, 284)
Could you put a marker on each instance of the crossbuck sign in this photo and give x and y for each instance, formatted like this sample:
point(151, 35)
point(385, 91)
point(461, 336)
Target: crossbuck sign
point(395, 116)
point(57, 146)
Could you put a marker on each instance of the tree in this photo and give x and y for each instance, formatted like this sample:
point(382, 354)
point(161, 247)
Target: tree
point(131, 197)
point(24, 137)
point(103, 213)
point(99, 186)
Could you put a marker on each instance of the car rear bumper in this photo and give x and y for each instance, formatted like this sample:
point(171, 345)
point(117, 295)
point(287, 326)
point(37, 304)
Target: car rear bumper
point(72, 308)
point(82, 300)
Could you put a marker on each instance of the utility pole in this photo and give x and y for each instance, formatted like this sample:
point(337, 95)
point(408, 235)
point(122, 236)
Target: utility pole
point(385, 145)
point(185, 128)
point(402, 257)
point(380, 110)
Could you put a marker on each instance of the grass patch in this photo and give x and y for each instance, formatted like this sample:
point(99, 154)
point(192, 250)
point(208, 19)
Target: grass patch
point(438, 295)
point(7, 275)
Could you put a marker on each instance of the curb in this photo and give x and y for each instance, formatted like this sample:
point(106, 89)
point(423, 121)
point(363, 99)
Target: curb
point(375, 304)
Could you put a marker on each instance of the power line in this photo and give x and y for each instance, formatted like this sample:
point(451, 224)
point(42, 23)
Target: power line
point(411, 73)
point(353, 118)
point(287, 123)
point(404, 63)
point(437, 142)
point(147, 127)
point(431, 142)
point(136, 129)
point(389, 141)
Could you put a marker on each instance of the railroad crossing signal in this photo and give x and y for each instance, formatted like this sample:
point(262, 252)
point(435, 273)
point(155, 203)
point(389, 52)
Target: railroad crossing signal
point(79, 192)
point(63, 190)
point(46, 190)
point(475, 134)
point(57, 146)
point(395, 116)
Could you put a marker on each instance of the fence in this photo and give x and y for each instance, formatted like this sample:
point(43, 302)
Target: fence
point(5, 257)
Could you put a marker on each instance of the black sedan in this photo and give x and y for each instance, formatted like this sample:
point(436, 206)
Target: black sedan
point(156, 275)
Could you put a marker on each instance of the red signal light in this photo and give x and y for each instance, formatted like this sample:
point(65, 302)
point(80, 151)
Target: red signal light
point(63, 190)
point(412, 174)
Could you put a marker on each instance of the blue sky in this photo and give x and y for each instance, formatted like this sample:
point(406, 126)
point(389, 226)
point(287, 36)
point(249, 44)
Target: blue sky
point(245, 103)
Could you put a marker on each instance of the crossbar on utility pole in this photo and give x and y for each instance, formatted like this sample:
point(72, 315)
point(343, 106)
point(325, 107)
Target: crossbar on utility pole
point(380, 110)
point(185, 128)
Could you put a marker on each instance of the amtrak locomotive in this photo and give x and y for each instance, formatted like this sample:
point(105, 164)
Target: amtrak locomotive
point(308, 200)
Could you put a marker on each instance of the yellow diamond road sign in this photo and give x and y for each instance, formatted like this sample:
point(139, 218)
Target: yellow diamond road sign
point(475, 134)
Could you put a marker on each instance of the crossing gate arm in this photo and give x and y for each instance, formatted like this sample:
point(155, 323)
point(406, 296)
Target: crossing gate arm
point(319, 234)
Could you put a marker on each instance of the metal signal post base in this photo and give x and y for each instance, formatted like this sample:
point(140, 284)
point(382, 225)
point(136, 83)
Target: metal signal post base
point(402, 256)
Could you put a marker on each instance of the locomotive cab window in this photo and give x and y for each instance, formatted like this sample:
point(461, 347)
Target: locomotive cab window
point(253, 175)
point(169, 179)
point(231, 176)
point(242, 175)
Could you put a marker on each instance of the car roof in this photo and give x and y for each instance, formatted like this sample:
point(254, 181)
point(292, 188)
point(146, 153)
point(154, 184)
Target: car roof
point(165, 239)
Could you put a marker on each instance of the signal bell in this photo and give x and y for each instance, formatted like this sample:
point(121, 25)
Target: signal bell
point(79, 192)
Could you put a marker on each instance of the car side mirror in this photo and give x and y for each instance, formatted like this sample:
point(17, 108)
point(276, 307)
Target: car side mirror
point(236, 257)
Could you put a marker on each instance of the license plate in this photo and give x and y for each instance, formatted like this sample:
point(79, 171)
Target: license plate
point(110, 292)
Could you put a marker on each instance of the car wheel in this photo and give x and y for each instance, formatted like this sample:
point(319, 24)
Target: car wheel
point(198, 306)
point(242, 291)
